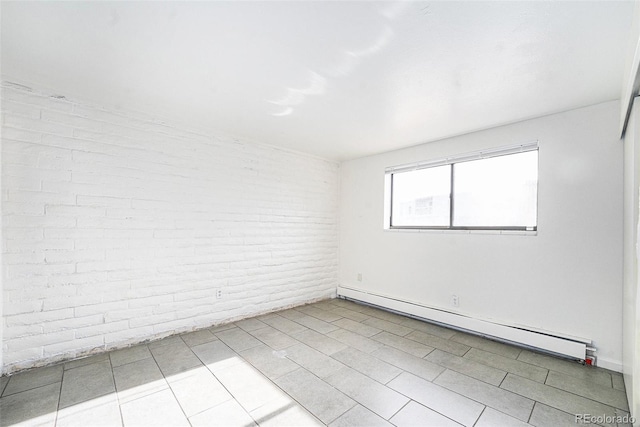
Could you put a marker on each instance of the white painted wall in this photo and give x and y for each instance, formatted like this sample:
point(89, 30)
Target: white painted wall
point(119, 228)
point(631, 297)
point(2, 249)
point(567, 279)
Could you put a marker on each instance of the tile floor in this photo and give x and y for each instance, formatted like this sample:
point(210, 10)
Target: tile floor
point(331, 363)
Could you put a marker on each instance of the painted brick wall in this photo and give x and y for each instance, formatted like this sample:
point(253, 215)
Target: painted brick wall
point(118, 228)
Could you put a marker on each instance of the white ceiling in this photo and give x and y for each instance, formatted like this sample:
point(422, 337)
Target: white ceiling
point(335, 79)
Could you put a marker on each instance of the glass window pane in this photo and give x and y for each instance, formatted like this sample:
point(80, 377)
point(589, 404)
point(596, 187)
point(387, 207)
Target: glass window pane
point(421, 197)
point(496, 192)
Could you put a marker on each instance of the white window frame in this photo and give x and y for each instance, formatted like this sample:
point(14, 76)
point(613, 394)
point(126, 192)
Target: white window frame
point(452, 160)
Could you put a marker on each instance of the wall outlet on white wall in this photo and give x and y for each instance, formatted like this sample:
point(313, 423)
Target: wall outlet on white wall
point(359, 277)
point(455, 301)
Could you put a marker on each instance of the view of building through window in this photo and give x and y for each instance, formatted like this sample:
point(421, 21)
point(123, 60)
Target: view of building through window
point(496, 192)
point(421, 197)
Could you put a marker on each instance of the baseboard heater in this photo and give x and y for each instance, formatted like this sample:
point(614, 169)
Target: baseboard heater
point(573, 348)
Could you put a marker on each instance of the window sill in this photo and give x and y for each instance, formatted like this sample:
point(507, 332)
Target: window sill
point(434, 231)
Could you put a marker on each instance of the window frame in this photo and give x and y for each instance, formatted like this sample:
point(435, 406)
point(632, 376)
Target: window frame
point(452, 161)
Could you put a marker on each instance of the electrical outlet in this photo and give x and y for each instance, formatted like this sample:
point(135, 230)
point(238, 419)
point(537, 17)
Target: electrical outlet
point(359, 277)
point(455, 301)
point(218, 293)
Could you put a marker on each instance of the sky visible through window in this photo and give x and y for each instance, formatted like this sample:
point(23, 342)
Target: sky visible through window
point(494, 192)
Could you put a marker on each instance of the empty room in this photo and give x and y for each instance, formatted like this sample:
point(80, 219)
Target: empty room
point(308, 213)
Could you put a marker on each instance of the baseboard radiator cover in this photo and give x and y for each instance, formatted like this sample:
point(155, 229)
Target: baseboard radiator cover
point(559, 346)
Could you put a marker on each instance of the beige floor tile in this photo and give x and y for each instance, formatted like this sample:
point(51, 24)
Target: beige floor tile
point(101, 411)
point(237, 339)
point(467, 367)
point(404, 344)
point(439, 343)
point(309, 321)
point(428, 328)
point(198, 337)
point(283, 325)
point(357, 327)
point(222, 327)
point(318, 313)
point(172, 340)
point(355, 340)
point(589, 373)
point(273, 338)
point(33, 378)
point(175, 359)
point(408, 362)
point(198, 390)
point(345, 303)
point(216, 355)
point(35, 407)
point(3, 384)
point(128, 355)
point(250, 324)
point(504, 401)
point(369, 393)
point(554, 397)
point(417, 415)
point(291, 314)
point(492, 418)
point(158, 409)
point(321, 399)
point(617, 380)
point(284, 414)
point(349, 314)
point(226, 414)
point(364, 363)
point(320, 342)
point(584, 388)
point(487, 345)
point(313, 360)
point(138, 379)
point(388, 326)
point(86, 361)
point(546, 416)
point(452, 405)
point(249, 387)
point(359, 416)
point(525, 370)
point(86, 382)
point(272, 363)
point(381, 314)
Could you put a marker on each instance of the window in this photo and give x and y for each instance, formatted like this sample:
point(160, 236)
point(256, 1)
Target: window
point(422, 197)
point(495, 190)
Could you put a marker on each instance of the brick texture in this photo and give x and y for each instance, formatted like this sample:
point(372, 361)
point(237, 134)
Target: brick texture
point(118, 228)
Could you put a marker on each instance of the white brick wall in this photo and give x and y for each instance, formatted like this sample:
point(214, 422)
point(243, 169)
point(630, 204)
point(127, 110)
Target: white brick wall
point(118, 228)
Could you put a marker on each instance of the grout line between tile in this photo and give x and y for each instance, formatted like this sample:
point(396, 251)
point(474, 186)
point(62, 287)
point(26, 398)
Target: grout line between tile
point(169, 384)
point(535, 403)
point(399, 373)
point(403, 406)
point(480, 416)
point(223, 385)
point(55, 422)
point(113, 375)
point(502, 380)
